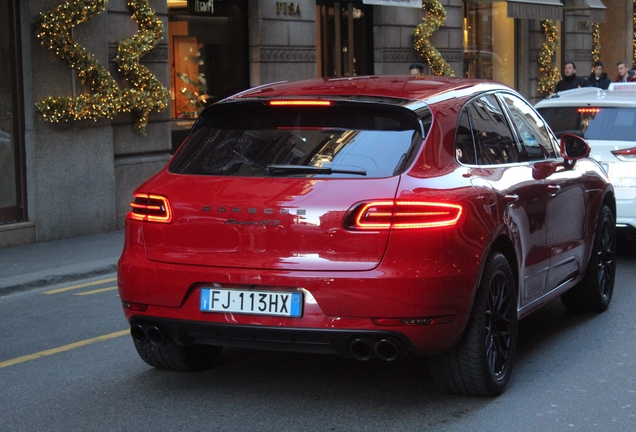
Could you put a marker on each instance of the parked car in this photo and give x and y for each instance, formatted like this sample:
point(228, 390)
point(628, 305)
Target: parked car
point(366, 217)
point(607, 121)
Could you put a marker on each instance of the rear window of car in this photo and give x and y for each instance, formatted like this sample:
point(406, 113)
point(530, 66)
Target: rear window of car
point(344, 140)
point(604, 123)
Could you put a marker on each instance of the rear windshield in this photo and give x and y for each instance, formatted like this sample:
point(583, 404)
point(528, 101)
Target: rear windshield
point(345, 140)
point(613, 124)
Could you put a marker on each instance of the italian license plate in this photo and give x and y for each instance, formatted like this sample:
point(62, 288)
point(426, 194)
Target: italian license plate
point(276, 303)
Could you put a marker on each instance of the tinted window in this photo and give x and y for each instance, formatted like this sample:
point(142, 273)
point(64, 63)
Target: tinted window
point(243, 139)
point(464, 142)
point(495, 144)
point(617, 124)
point(535, 138)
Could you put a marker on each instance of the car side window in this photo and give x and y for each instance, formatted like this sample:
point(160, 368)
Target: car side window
point(535, 139)
point(495, 142)
point(464, 141)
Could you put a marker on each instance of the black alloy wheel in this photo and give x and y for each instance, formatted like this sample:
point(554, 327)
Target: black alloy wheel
point(594, 292)
point(481, 363)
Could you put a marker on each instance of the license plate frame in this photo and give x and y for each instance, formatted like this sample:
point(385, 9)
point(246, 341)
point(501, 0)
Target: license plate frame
point(251, 302)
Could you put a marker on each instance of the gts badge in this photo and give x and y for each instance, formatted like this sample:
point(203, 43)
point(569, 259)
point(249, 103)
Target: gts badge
point(264, 222)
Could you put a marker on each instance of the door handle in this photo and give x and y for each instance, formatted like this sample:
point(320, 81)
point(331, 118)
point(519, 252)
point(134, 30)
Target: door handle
point(510, 198)
point(553, 189)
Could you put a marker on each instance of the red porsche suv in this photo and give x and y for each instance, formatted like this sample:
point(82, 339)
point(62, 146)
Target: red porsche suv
point(368, 217)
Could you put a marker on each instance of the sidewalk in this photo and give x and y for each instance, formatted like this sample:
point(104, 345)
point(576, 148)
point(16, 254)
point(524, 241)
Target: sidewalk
point(59, 261)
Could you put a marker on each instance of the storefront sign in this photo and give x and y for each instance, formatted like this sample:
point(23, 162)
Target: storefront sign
point(403, 3)
point(201, 7)
point(285, 8)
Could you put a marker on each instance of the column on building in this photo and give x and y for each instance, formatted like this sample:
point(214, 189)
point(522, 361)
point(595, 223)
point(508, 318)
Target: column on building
point(282, 40)
point(578, 20)
point(80, 173)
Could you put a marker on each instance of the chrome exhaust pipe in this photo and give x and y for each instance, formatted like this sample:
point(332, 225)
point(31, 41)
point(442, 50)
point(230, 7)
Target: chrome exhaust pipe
point(138, 333)
point(389, 349)
point(155, 335)
point(361, 349)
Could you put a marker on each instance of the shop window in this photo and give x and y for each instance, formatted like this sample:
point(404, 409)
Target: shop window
point(489, 42)
point(12, 179)
point(208, 57)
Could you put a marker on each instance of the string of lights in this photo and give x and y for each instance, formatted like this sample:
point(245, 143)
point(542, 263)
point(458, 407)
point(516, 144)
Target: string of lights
point(435, 18)
point(549, 73)
point(596, 42)
point(106, 99)
point(147, 93)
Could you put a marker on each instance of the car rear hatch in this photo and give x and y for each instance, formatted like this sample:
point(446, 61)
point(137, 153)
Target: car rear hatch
point(264, 187)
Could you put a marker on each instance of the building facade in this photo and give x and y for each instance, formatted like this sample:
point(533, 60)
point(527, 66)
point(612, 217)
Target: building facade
point(76, 177)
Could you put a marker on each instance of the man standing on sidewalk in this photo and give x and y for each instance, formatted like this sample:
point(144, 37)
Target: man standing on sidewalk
point(570, 80)
point(598, 78)
point(624, 74)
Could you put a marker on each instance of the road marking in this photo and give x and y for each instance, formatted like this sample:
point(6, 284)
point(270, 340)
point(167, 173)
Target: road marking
point(62, 348)
point(69, 288)
point(96, 291)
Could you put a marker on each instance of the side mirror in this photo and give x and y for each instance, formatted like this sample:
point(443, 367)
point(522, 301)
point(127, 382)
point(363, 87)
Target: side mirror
point(574, 147)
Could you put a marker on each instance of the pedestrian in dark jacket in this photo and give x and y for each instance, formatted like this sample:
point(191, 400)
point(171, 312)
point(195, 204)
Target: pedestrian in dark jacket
point(598, 78)
point(570, 80)
point(624, 74)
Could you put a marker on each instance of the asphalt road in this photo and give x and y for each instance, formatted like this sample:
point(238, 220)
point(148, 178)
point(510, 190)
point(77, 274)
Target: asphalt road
point(68, 364)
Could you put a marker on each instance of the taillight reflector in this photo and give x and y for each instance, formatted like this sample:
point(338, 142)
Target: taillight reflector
point(391, 214)
point(151, 208)
point(300, 103)
point(413, 321)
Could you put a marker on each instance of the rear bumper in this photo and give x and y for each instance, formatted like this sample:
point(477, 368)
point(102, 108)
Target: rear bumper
point(317, 341)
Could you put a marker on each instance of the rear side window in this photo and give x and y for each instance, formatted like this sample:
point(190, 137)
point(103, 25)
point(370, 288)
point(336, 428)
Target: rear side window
point(344, 140)
point(613, 124)
point(535, 139)
point(464, 142)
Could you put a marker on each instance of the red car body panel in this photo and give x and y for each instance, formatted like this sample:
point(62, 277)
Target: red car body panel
point(287, 234)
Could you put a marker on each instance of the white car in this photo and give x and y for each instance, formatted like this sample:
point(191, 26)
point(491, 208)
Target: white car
point(607, 120)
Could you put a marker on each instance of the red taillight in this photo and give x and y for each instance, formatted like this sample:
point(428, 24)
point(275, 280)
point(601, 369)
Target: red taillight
point(589, 110)
point(300, 103)
point(151, 208)
point(391, 214)
point(627, 155)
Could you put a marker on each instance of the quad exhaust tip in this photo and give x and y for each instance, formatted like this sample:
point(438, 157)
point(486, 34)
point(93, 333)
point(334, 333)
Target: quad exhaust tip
point(142, 334)
point(387, 349)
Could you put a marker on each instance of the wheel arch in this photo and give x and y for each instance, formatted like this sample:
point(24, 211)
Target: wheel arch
point(610, 200)
point(503, 244)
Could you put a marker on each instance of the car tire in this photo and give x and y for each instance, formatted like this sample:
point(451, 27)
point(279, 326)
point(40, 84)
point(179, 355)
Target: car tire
point(481, 363)
point(173, 357)
point(594, 292)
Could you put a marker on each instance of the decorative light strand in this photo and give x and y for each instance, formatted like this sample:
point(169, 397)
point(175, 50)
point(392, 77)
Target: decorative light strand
point(148, 93)
point(549, 73)
point(596, 42)
point(435, 18)
point(107, 98)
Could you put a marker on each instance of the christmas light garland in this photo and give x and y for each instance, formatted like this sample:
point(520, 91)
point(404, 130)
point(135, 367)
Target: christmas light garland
point(596, 42)
point(148, 93)
point(550, 75)
point(107, 98)
point(435, 18)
